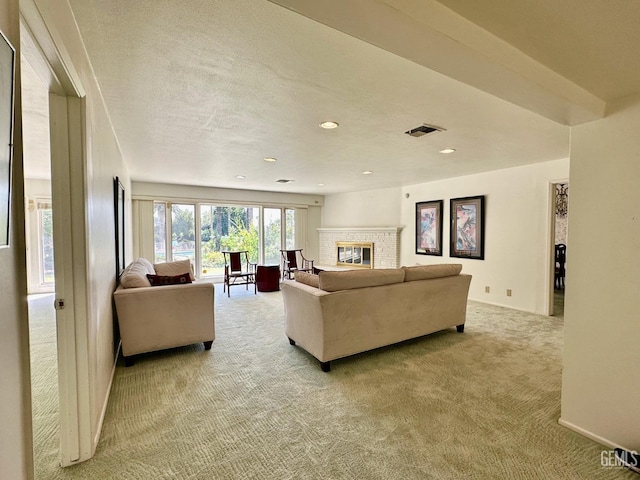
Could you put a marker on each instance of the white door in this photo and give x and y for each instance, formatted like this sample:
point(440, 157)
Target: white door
point(66, 122)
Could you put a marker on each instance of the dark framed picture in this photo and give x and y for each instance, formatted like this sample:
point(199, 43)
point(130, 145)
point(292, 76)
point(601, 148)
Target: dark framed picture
point(118, 194)
point(429, 227)
point(7, 63)
point(467, 227)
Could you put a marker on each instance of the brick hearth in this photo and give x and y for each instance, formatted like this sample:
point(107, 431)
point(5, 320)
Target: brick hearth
point(386, 244)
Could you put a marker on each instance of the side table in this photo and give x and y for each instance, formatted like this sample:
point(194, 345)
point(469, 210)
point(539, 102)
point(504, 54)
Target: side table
point(268, 278)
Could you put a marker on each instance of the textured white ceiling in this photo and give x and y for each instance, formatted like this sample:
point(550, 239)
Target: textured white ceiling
point(200, 91)
point(35, 125)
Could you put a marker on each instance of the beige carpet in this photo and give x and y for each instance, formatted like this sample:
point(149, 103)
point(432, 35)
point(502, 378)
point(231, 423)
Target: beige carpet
point(483, 404)
point(44, 381)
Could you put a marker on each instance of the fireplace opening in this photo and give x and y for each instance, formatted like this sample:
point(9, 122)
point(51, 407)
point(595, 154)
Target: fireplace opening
point(354, 254)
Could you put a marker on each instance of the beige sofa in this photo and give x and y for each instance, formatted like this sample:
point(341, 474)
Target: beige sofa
point(158, 317)
point(337, 314)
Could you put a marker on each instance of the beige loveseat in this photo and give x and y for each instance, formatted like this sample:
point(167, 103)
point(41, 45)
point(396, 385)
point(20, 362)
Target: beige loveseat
point(158, 317)
point(337, 314)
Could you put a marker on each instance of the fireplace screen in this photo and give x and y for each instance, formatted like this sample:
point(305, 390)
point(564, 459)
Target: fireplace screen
point(355, 254)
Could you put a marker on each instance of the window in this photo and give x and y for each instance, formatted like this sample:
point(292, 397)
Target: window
point(202, 231)
point(290, 228)
point(272, 235)
point(160, 232)
point(183, 240)
point(226, 228)
point(45, 240)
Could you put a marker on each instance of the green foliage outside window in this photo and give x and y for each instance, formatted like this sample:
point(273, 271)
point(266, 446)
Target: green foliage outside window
point(221, 229)
point(230, 229)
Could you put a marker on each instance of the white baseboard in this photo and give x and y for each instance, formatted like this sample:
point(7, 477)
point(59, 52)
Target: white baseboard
point(103, 413)
point(590, 435)
point(511, 307)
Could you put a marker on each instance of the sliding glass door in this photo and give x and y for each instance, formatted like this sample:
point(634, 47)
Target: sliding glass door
point(202, 231)
point(45, 243)
point(290, 228)
point(160, 232)
point(226, 228)
point(183, 232)
point(272, 221)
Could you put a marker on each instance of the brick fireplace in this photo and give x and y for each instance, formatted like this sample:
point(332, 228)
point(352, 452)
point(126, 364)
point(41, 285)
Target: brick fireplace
point(386, 244)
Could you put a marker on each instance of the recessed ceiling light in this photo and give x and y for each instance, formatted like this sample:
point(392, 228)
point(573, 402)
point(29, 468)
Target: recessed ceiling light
point(329, 125)
point(321, 184)
point(240, 177)
point(270, 159)
point(448, 150)
point(367, 172)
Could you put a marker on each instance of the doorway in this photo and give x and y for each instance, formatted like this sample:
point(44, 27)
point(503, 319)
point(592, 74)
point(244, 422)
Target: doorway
point(560, 223)
point(57, 118)
point(43, 340)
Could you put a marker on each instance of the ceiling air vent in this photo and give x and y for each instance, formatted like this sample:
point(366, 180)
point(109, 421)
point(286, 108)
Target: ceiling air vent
point(284, 180)
point(423, 130)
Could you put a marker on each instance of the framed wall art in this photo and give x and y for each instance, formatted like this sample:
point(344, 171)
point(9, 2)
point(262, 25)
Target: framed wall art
point(429, 228)
point(467, 227)
point(7, 64)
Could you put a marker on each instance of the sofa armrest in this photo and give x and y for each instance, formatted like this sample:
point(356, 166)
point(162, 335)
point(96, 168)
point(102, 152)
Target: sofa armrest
point(303, 320)
point(155, 318)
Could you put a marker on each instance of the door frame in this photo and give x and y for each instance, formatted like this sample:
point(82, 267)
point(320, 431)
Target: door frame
point(67, 114)
point(551, 252)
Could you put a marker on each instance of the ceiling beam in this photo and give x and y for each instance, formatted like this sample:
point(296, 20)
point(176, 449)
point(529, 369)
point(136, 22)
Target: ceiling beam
point(431, 35)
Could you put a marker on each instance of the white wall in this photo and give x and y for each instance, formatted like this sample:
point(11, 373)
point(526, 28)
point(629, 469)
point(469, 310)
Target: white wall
point(16, 449)
point(371, 208)
point(601, 380)
point(37, 188)
point(104, 163)
point(314, 221)
point(518, 223)
point(517, 231)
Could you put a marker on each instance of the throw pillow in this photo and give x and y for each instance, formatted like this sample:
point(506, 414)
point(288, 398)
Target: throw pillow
point(307, 278)
point(158, 280)
point(174, 268)
point(134, 276)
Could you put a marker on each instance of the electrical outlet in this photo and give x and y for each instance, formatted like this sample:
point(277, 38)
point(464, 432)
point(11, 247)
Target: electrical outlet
point(487, 289)
point(508, 292)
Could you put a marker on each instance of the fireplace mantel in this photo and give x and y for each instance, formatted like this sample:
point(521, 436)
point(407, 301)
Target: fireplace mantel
point(386, 243)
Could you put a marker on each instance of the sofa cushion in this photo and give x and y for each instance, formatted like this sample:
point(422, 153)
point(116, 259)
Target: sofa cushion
point(351, 279)
point(159, 280)
point(425, 272)
point(135, 275)
point(172, 269)
point(308, 279)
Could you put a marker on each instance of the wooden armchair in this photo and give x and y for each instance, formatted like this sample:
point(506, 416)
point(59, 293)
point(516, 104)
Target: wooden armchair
point(294, 261)
point(238, 270)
